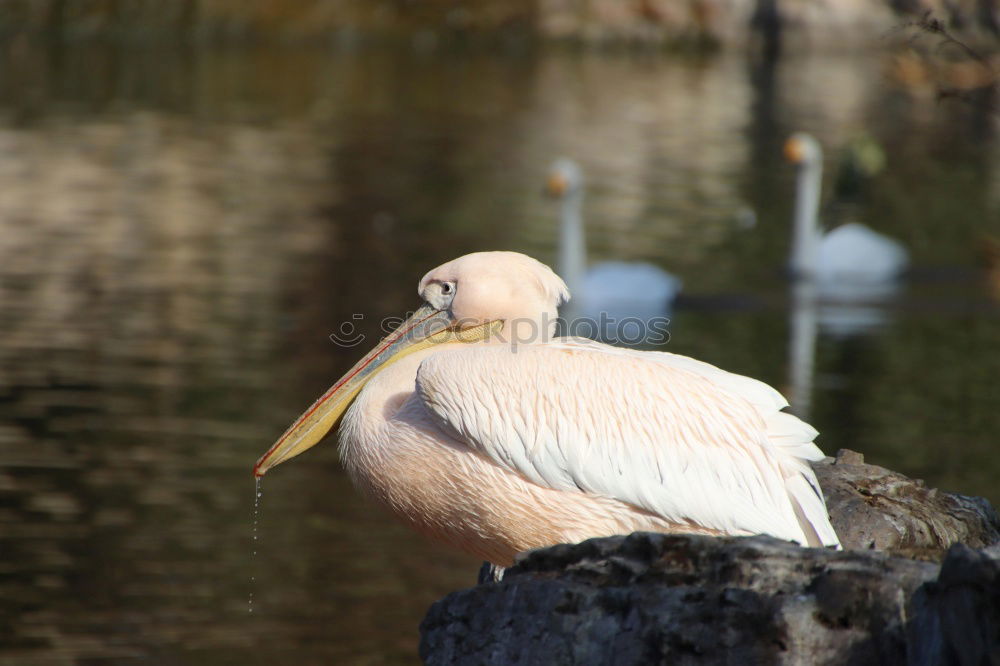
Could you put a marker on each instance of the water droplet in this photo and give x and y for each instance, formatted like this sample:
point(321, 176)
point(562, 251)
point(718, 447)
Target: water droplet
point(257, 493)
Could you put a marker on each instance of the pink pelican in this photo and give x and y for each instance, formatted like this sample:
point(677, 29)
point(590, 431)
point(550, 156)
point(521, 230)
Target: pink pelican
point(476, 427)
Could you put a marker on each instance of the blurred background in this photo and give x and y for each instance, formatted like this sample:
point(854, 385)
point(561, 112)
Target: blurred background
point(195, 194)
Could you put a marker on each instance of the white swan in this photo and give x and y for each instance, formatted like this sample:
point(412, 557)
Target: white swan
point(853, 267)
point(628, 300)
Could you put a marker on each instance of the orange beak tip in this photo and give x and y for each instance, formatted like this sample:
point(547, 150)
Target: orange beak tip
point(793, 151)
point(556, 186)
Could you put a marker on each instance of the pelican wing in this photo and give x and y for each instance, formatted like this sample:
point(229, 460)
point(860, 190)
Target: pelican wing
point(665, 433)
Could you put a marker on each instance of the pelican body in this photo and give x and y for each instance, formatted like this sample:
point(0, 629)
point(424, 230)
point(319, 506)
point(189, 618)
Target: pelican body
point(476, 427)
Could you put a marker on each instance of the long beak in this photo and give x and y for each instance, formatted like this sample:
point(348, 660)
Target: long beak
point(425, 328)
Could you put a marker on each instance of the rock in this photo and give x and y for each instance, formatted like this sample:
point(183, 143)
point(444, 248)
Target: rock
point(684, 599)
point(875, 508)
point(679, 599)
point(956, 619)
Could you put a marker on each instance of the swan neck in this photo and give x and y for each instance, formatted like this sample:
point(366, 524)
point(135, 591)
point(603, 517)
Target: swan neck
point(572, 245)
point(805, 244)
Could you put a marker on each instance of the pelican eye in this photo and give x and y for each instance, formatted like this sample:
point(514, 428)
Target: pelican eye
point(440, 294)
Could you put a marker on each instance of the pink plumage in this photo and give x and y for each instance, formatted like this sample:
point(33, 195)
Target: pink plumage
point(509, 439)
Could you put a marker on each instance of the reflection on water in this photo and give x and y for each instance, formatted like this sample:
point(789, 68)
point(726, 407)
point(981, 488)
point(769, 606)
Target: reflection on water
point(181, 231)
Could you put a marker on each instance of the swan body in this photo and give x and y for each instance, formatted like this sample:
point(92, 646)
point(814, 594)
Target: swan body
point(853, 268)
point(610, 292)
point(849, 253)
point(853, 253)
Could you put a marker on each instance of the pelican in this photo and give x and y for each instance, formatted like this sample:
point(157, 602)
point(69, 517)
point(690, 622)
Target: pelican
point(618, 290)
point(852, 267)
point(476, 427)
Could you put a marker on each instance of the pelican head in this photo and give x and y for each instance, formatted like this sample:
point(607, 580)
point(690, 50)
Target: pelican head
point(565, 178)
point(488, 287)
point(498, 297)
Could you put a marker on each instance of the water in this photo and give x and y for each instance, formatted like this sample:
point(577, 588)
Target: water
point(181, 231)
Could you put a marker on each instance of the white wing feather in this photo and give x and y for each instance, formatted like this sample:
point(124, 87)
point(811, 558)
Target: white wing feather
point(666, 433)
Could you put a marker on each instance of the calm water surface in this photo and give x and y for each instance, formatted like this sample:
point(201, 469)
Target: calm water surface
point(180, 232)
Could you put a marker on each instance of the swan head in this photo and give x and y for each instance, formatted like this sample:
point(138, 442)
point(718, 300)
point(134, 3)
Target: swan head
point(565, 178)
point(802, 149)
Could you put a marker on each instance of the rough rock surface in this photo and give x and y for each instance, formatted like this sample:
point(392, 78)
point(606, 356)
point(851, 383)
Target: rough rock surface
point(875, 508)
point(680, 599)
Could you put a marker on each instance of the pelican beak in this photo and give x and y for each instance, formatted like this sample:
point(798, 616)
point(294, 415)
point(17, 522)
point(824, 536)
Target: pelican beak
point(428, 326)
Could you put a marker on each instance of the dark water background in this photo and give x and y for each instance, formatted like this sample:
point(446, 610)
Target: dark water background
point(180, 231)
